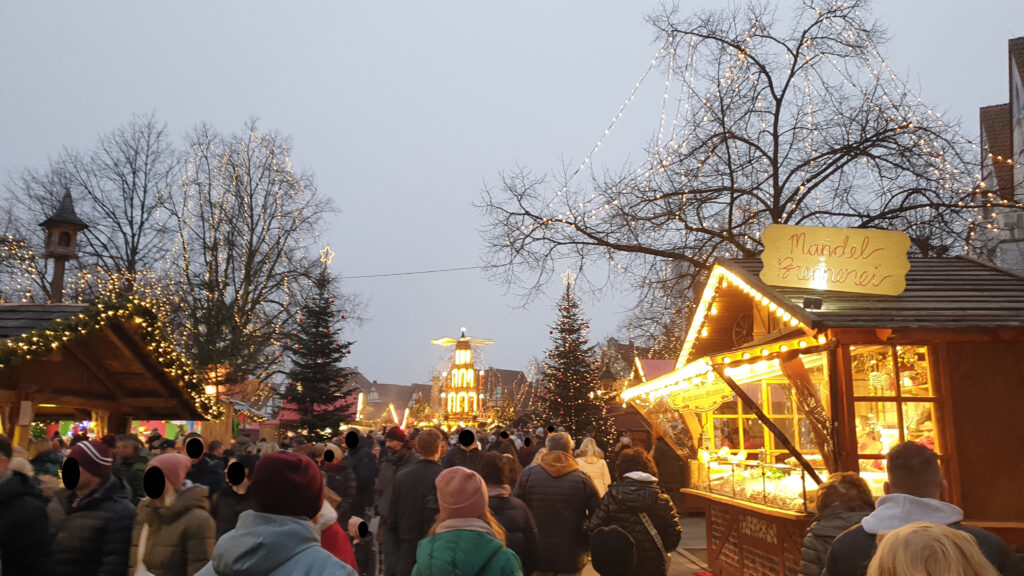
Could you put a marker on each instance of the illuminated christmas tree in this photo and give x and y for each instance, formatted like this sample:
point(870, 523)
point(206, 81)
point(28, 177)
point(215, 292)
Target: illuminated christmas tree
point(319, 387)
point(570, 396)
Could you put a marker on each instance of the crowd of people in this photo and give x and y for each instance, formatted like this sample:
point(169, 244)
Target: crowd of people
point(396, 503)
point(425, 503)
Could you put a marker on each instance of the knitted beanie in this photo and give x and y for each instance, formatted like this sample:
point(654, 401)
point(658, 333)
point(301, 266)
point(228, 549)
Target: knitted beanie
point(93, 457)
point(287, 484)
point(174, 466)
point(396, 433)
point(461, 493)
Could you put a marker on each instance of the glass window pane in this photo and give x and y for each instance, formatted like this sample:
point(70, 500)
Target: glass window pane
point(913, 367)
point(786, 425)
point(781, 397)
point(877, 427)
point(872, 371)
point(873, 472)
point(919, 423)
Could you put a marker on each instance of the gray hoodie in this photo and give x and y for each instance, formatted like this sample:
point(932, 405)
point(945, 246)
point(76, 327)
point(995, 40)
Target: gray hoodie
point(271, 545)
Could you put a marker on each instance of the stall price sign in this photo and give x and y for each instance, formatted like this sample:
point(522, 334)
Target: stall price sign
point(841, 259)
point(701, 398)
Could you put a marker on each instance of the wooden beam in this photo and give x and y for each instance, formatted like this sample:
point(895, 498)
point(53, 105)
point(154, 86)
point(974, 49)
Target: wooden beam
point(165, 384)
point(101, 375)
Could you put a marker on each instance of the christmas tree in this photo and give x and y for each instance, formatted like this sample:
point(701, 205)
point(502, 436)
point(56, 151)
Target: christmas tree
point(570, 393)
point(319, 388)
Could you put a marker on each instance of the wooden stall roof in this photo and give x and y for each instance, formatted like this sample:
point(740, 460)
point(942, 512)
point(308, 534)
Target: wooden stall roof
point(941, 293)
point(18, 319)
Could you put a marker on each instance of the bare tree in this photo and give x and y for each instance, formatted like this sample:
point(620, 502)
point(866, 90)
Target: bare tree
point(795, 123)
point(117, 187)
point(245, 224)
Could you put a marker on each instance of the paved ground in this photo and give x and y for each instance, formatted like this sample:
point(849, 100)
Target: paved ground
point(690, 557)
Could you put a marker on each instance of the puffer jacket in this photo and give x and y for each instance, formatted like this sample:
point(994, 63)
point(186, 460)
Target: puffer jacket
point(24, 528)
point(639, 492)
point(132, 470)
point(342, 480)
point(270, 545)
point(226, 506)
point(459, 456)
point(181, 535)
point(394, 463)
point(516, 519)
point(464, 553)
point(91, 535)
point(364, 465)
point(597, 469)
point(47, 463)
point(828, 524)
point(561, 497)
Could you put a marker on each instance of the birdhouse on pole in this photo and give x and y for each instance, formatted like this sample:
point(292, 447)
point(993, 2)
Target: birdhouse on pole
point(62, 230)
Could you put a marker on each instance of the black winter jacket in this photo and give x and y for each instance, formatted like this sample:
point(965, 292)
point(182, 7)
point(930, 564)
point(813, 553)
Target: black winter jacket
point(24, 530)
point(561, 498)
point(364, 465)
point(459, 456)
point(622, 506)
point(226, 506)
point(414, 500)
point(342, 480)
point(828, 524)
point(47, 463)
point(391, 465)
point(672, 470)
point(209, 472)
point(520, 529)
point(92, 535)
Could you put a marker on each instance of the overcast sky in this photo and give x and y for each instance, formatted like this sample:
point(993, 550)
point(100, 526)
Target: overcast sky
point(404, 110)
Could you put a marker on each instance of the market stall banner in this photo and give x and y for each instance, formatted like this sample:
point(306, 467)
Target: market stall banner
point(841, 259)
point(701, 398)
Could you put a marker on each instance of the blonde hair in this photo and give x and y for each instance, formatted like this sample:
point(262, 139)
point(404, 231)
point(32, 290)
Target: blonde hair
point(492, 522)
point(589, 448)
point(926, 549)
point(536, 457)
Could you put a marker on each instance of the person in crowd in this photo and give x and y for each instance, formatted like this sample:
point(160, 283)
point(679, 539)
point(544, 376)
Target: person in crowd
point(332, 537)
point(207, 469)
point(44, 459)
point(414, 498)
point(842, 502)
point(505, 444)
point(24, 527)
point(530, 446)
point(130, 465)
point(174, 532)
point(398, 457)
point(153, 442)
point(537, 456)
point(561, 498)
point(625, 443)
point(638, 505)
point(466, 453)
point(512, 513)
point(228, 504)
point(927, 549)
point(466, 539)
point(216, 451)
point(91, 523)
point(612, 552)
point(915, 491)
point(365, 466)
point(363, 546)
point(674, 472)
point(277, 537)
point(341, 483)
point(591, 460)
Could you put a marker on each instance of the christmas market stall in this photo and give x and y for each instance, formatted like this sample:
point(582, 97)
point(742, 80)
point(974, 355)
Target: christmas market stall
point(107, 363)
point(819, 358)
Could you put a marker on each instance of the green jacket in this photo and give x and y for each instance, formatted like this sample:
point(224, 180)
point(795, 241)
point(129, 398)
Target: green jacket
point(465, 553)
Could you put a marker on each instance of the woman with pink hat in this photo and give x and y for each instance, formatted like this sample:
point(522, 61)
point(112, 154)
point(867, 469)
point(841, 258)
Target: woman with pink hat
point(466, 539)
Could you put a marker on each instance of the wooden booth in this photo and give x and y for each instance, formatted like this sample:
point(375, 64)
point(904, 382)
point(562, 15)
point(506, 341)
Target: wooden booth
point(776, 387)
point(107, 363)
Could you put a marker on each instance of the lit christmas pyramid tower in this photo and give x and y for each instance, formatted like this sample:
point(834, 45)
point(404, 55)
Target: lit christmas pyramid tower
point(460, 389)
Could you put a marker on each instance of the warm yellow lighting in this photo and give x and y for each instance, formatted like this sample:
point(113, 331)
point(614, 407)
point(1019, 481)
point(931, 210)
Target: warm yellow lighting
point(714, 309)
point(822, 339)
point(726, 359)
point(47, 405)
point(803, 344)
point(746, 355)
point(783, 347)
point(210, 389)
point(764, 351)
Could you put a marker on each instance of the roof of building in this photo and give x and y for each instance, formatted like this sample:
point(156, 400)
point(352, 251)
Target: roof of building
point(1016, 50)
point(401, 395)
point(65, 214)
point(940, 293)
point(997, 130)
point(18, 319)
point(651, 368)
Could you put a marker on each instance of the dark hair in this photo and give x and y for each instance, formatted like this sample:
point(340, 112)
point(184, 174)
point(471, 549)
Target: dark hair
point(214, 446)
point(914, 469)
point(496, 468)
point(427, 443)
point(635, 460)
point(846, 490)
point(246, 460)
point(131, 440)
point(6, 448)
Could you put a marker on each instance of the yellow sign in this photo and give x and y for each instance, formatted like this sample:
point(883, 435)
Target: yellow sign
point(842, 259)
point(701, 397)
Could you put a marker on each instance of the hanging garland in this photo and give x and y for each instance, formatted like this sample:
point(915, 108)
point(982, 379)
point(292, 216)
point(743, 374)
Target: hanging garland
point(126, 310)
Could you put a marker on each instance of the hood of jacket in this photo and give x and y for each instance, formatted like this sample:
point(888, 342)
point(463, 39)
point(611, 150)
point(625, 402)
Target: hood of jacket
point(327, 517)
point(897, 510)
point(18, 486)
point(635, 494)
point(112, 488)
point(832, 522)
point(558, 463)
point(193, 496)
point(260, 543)
point(455, 553)
point(592, 459)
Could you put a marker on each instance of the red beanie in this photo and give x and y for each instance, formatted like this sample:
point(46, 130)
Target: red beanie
point(93, 457)
point(461, 493)
point(396, 433)
point(287, 484)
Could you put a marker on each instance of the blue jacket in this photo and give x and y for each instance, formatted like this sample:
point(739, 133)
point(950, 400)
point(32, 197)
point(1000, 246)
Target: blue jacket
point(271, 545)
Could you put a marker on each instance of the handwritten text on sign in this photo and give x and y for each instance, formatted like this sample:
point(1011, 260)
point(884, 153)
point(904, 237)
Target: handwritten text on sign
point(843, 259)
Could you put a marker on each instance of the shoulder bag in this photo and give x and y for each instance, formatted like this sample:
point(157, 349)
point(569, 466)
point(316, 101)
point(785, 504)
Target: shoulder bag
point(657, 539)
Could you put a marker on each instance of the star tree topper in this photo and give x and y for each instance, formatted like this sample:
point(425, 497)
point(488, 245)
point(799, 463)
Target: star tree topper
point(326, 255)
point(568, 278)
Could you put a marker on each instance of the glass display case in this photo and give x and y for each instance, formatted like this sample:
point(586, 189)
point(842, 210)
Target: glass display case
point(778, 485)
